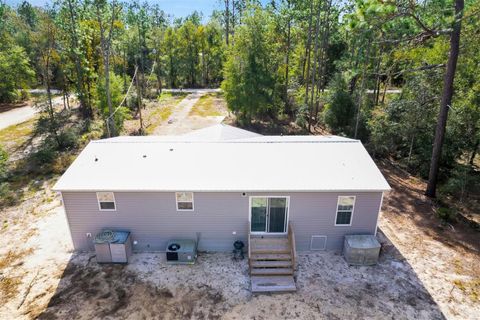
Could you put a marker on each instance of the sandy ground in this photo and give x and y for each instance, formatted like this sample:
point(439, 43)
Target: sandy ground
point(181, 122)
point(56, 284)
point(445, 257)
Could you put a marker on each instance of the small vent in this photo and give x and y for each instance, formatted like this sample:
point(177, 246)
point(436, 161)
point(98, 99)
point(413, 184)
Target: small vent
point(318, 243)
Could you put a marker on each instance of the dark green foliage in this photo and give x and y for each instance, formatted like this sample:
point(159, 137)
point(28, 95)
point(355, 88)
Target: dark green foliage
point(447, 214)
point(404, 128)
point(7, 196)
point(116, 93)
point(339, 112)
point(3, 163)
point(15, 73)
point(251, 83)
point(462, 181)
point(46, 153)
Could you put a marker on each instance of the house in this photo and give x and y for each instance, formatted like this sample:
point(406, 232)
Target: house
point(223, 184)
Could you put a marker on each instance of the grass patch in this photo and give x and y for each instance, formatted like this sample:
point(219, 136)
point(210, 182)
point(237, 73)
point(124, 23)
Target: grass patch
point(157, 116)
point(470, 288)
point(155, 112)
point(17, 134)
point(13, 257)
point(209, 105)
point(169, 96)
point(9, 287)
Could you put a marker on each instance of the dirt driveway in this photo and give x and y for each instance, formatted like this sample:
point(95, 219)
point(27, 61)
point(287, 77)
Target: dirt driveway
point(22, 114)
point(181, 121)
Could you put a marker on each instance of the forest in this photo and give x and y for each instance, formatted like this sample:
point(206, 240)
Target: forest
point(401, 76)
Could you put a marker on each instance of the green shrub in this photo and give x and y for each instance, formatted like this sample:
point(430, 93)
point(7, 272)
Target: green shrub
point(46, 154)
point(3, 163)
point(339, 112)
point(447, 214)
point(116, 96)
point(461, 182)
point(67, 139)
point(301, 117)
point(7, 196)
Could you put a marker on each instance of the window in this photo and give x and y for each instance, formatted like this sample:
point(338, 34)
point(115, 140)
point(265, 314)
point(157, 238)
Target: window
point(184, 201)
point(106, 201)
point(268, 214)
point(344, 210)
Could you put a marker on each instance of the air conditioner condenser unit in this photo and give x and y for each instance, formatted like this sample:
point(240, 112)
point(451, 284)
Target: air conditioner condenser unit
point(181, 251)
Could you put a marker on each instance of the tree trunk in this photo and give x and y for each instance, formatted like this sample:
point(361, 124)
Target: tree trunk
point(50, 110)
point(105, 44)
point(446, 100)
point(362, 89)
point(227, 21)
point(314, 70)
point(233, 21)
point(125, 88)
point(139, 103)
point(287, 58)
point(159, 76)
point(306, 61)
point(474, 152)
point(84, 101)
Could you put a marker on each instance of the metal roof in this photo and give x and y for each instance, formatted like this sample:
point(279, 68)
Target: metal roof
point(259, 163)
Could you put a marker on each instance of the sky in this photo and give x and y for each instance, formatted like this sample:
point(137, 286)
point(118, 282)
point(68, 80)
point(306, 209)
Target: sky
point(176, 8)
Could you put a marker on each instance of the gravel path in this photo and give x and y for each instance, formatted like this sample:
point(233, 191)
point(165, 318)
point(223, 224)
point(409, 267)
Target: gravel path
point(22, 114)
point(16, 116)
point(180, 121)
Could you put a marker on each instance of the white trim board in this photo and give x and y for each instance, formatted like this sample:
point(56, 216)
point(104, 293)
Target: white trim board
point(114, 201)
point(193, 201)
point(378, 214)
point(351, 215)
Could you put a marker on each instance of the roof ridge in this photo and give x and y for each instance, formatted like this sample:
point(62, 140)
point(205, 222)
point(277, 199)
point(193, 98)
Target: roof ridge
point(225, 141)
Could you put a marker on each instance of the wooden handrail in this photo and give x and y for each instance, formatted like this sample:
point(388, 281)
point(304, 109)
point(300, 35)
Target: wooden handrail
point(249, 248)
point(291, 240)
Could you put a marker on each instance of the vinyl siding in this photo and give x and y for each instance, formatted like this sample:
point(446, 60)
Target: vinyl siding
point(153, 219)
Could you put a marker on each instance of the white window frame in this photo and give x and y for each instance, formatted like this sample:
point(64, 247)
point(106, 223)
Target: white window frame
point(351, 215)
point(114, 202)
point(193, 201)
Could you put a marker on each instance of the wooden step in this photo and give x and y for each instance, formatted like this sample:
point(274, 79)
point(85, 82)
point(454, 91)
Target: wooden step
point(271, 271)
point(271, 256)
point(273, 284)
point(269, 240)
point(271, 264)
point(272, 250)
point(270, 246)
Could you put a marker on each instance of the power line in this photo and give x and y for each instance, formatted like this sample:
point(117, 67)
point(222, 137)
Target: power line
point(107, 120)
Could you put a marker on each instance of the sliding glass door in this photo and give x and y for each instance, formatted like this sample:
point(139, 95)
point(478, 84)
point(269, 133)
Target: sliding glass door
point(268, 214)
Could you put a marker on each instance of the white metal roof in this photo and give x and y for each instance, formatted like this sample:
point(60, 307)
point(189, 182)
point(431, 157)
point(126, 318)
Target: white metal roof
point(263, 164)
point(220, 132)
point(217, 132)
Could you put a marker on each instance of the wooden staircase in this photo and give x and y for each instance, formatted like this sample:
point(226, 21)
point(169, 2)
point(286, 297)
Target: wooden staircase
point(272, 262)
